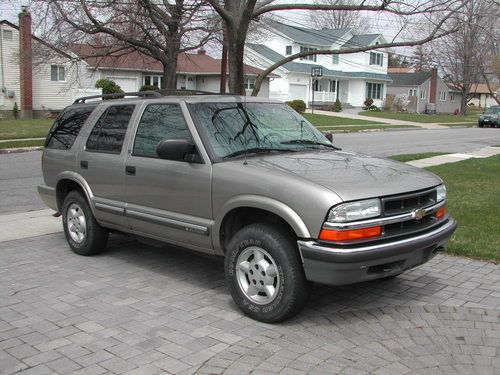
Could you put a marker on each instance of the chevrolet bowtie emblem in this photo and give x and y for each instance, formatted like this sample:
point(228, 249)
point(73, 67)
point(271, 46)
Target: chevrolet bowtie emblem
point(418, 214)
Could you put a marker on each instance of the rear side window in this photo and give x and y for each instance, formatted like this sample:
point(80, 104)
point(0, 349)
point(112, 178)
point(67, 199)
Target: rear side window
point(67, 126)
point(159, 122)
point(109, 131)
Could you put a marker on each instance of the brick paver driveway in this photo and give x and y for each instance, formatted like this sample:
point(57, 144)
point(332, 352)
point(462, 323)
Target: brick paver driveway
point(142, 310)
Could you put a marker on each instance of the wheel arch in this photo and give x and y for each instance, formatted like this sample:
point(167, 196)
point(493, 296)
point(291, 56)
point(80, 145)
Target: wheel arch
point(247, 209)
point(69, 181)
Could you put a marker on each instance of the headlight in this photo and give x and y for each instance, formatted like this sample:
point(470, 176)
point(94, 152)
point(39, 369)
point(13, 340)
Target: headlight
point(440, 193)
point(354, 211)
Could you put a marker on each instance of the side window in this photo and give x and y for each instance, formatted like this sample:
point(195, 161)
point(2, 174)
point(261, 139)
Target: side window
point(109, 131)
point(67, 126)
point(159, 122)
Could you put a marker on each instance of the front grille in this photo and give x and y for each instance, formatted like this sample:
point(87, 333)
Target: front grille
point(406, 203)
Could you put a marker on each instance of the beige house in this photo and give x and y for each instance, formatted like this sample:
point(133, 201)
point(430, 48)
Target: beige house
point(33, 74)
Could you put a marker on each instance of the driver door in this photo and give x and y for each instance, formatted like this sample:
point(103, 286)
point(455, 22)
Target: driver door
point(168, 200)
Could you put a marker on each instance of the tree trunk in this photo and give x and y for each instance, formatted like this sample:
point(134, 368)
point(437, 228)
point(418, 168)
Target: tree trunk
point(463, 102)
point(236, 49)
point(169, 81)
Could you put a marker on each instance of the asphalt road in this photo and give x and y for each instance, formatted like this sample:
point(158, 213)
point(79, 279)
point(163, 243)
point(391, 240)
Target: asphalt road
point(20, 173)
point(415, 141)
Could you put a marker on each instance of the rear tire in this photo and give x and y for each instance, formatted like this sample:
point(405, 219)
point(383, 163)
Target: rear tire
point(264, 273)
point(84, 234)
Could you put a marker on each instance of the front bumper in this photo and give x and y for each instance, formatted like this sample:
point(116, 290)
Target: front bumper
point(347, 265)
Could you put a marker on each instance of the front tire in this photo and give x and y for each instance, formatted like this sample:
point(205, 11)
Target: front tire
point(84, 234)
point(264, 273)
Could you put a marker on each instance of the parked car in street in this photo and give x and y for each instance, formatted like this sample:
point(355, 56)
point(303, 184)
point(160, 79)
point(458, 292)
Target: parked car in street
point(245, 178)
point(490, 117)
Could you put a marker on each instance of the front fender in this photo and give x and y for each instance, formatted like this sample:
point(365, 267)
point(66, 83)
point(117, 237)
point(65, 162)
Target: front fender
point(260, 202)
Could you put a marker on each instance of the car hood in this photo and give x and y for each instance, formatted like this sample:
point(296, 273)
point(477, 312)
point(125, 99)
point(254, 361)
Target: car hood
point(351, 176)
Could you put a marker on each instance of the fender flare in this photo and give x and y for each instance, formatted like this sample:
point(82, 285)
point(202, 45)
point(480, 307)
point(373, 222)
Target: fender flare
point(260, 202)
point(75, 177)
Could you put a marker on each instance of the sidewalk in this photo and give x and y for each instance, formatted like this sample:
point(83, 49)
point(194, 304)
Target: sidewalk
point(380, 120)
point(485, 152)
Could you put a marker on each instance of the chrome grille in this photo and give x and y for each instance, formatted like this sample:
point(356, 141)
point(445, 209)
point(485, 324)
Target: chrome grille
point(408, 202)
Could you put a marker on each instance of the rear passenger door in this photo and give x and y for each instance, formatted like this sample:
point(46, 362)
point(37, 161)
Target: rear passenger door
point(169, 200)
point(102, 163)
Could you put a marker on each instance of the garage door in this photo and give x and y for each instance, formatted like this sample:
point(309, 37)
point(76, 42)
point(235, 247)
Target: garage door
point(127, 84)
point(298, 92)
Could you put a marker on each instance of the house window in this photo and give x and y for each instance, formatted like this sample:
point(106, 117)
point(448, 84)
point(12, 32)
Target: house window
point(376, 58)
point(308, 49)
point(7, 35)
point(249, 83)
point(288, 50)
point(335, 59)
point(423, 94)
point(152, 80)
point(374, 90)
point(452, 96)
point(412, 92)
point(442, 96)
point(333, 85)
point(57, 73)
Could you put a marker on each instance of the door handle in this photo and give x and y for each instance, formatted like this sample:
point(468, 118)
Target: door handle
point(130, 170)
point(84, 164)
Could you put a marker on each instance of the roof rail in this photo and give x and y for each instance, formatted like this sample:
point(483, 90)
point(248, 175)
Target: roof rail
point(121, 95)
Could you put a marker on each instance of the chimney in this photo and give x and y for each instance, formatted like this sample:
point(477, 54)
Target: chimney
point(201, 51)
point(433, 89)
point(25, 63)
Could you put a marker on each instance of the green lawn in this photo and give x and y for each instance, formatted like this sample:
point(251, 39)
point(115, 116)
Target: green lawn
point(16, 144)
point(15, 129)
point(474, 199)
point(471, 117)
point(323, 120)
point(409, 157)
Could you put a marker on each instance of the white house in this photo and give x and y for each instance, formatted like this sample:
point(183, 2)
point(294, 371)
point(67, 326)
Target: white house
point(349, 77)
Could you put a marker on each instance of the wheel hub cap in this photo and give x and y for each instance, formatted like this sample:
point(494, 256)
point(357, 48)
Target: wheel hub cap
point(257, 275)
point(76, 223)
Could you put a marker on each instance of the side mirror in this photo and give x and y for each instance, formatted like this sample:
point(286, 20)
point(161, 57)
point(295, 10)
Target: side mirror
point(177, 149)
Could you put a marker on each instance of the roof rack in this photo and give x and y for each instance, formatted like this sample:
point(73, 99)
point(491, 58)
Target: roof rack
point(148, 94)
point(121, 95)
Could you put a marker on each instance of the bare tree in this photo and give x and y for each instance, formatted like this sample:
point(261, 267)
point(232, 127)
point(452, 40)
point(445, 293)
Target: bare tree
point(467, 57)
point(161, 30)
point(339, 19)
point(239, 14)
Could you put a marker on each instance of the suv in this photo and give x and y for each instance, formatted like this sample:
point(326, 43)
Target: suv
point(490, 117)
point(245, 178)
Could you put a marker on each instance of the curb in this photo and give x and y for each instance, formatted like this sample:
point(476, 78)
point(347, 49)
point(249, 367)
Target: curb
point(19, 150)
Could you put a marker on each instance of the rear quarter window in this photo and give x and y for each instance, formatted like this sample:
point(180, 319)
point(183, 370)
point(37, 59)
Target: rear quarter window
point(63, 133)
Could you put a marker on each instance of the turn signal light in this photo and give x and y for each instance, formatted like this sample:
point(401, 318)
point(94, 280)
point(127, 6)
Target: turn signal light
point(440, 212)
point(350, 235)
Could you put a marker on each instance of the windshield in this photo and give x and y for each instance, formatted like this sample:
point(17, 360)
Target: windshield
point(493, 110)
point(234, 129)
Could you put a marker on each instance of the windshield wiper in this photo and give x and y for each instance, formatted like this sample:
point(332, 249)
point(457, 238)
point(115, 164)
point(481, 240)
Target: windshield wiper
point(257, 150)
point(306, 142)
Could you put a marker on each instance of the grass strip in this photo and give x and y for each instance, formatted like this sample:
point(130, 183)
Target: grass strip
point(357, 128)
point(17, 129)
point(473, 199)
point(472, 116)
point(324, 120)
